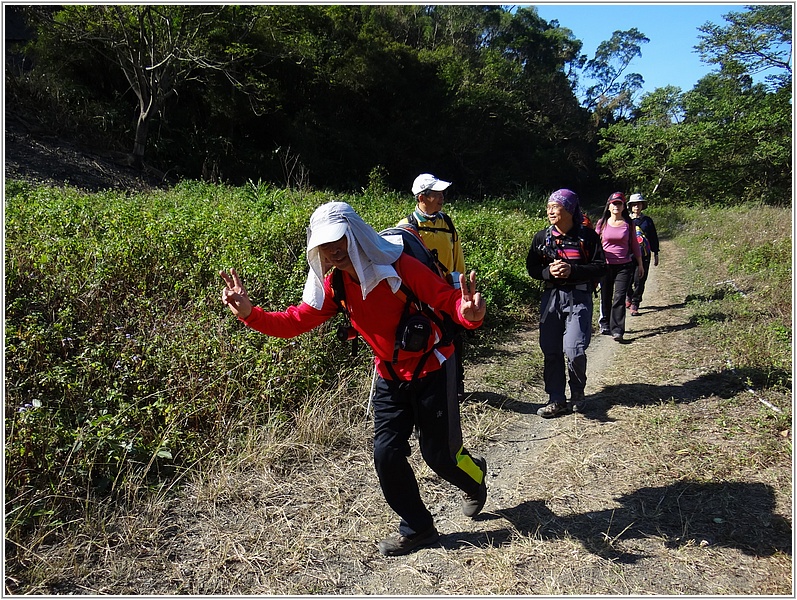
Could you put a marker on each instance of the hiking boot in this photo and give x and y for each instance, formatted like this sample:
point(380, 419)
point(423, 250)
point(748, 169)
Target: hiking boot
point(617, 337)
point(634, 310)
point(472, 505)
point(605, 331)
point(398, 545)
point(552, 409)
point(578, 404)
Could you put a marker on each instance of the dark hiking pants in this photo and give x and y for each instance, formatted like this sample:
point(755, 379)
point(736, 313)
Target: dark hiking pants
point(615, 287)
point(638, 287)
point(565, 332)
point(431, 404)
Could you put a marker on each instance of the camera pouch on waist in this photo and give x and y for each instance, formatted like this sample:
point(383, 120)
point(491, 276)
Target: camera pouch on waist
point(414, 335)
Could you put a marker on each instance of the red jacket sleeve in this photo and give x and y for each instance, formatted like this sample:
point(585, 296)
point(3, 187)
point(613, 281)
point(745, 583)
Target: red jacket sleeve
point(293, 321)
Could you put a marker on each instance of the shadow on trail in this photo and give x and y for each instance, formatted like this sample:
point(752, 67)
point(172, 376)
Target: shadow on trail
point(685, 513)
point(503, 402)
point(725, 384)
point(643, 309)
point(648, 333)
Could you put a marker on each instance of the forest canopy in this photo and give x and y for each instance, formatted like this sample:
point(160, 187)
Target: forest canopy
point(338, 96)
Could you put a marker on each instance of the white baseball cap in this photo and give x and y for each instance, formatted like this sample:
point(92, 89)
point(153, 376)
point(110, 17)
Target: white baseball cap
point(427, 181)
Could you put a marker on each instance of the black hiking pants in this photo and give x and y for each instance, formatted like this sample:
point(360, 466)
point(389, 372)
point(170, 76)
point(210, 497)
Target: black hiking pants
point(615, 287)
point(638, 287)
point(431, 404)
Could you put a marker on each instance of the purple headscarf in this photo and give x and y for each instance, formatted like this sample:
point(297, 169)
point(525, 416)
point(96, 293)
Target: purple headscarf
point(568, 200)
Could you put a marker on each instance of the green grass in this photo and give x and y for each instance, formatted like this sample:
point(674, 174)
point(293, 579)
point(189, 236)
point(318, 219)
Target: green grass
point(740, 258)
point(123, 368)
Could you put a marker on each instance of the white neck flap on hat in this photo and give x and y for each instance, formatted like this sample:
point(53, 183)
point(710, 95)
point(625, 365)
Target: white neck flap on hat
point(372, 256)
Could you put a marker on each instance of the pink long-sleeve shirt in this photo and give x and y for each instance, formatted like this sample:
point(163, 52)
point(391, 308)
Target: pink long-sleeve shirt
point(376, 318)
point(619, 243)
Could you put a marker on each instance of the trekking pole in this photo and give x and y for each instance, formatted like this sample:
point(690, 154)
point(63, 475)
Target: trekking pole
point(371, 394)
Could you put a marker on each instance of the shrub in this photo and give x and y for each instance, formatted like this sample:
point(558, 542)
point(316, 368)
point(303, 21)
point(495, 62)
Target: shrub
point(123, 367)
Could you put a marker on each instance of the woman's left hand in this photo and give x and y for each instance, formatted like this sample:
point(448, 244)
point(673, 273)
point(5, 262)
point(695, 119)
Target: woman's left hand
point(473, 307)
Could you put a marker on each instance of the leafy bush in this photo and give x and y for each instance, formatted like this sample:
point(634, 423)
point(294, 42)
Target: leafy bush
point(123, 367)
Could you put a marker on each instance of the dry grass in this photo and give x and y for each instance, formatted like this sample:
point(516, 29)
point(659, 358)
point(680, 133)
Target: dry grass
point(677, 481)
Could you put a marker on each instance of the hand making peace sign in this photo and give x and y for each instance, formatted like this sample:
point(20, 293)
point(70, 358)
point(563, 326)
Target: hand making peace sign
point(234, 295)
point(473, 306)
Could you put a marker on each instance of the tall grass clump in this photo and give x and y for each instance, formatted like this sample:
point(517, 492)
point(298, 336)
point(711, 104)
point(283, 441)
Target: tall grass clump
point(741, 260)
point(122, 366)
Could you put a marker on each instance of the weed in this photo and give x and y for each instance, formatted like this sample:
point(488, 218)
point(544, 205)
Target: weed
point(122, 365)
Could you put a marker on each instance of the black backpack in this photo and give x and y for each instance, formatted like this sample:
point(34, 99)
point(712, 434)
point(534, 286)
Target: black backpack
point(414, 327)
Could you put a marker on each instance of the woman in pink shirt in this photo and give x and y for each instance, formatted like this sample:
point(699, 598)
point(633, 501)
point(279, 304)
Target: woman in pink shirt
point(620, 245)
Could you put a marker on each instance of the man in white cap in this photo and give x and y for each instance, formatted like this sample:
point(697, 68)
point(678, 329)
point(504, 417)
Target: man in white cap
point(414, 388)
point(436, 228)
point(439, 234)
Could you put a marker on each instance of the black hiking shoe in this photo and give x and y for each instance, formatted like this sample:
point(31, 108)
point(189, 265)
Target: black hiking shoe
point(578, 404)
point(552, 409)
point(472, 505)
point(398, 545)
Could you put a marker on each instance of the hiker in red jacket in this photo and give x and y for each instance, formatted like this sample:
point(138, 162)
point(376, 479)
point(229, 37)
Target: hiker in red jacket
point(413, 388)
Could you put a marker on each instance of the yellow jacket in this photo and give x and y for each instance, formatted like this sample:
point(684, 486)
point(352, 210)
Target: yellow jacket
point(440, 237)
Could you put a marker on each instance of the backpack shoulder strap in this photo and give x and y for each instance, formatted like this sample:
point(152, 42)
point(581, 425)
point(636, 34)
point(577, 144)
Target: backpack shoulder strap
point(450, 225)
point(450, 229)
point(338, 290)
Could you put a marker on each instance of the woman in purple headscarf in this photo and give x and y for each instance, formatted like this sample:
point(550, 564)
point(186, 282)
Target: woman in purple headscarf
point(568, 258)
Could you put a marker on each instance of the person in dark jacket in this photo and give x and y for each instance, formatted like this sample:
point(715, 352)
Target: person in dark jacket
point(649, 247)
point(568, 257)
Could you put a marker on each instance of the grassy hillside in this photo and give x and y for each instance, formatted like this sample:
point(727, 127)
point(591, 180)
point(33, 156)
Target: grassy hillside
point(124, 371)
point(123, 368)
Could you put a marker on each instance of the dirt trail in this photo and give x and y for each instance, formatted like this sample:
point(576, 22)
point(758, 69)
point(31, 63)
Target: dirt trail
point(304, 519)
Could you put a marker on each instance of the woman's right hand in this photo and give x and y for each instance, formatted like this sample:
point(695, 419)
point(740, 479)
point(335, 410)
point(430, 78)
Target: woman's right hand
point(560, 269)
point(234, 295)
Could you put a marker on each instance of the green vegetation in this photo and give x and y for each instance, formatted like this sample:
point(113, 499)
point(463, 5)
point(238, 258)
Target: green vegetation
point(126, 377)
point(742, 264)
point(485, 96)
point(123, 368)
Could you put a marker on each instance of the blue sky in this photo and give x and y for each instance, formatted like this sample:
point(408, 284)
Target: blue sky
point(669, 58)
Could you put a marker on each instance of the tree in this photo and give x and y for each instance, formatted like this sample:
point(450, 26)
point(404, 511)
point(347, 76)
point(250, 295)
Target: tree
point(610, 97)
point(727, 140)
point(723, 141)
point(158, 48)
point(482, 93)
point(756, 41)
